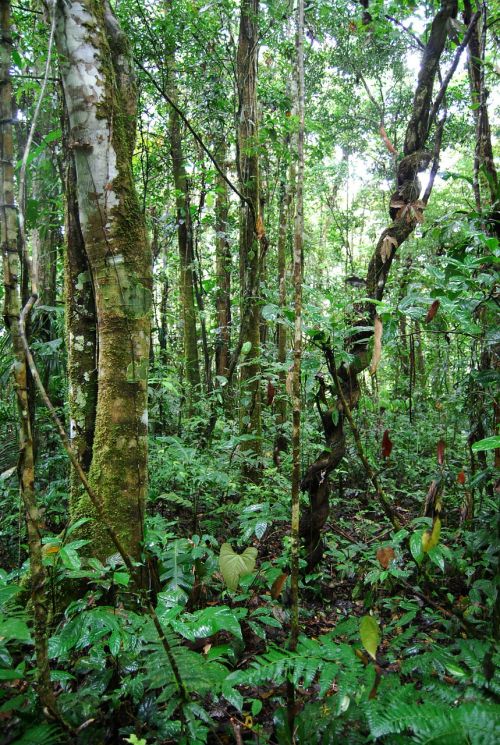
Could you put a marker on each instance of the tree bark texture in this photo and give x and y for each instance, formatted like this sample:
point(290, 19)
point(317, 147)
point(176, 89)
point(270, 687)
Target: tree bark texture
point(100, 96)
point(250, 227)
point(12, 279)
point(404, 215)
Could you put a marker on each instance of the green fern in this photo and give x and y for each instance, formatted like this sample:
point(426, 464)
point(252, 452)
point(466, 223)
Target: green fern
point(176, 564)
point(321, 658)
point(41, 734)
point(199, 675)
point(468, 724)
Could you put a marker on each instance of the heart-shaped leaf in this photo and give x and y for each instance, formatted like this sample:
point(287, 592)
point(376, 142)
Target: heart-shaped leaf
point(233, 566)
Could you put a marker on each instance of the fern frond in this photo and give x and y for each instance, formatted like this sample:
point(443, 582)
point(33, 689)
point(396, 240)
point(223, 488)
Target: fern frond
point(41, 734)
point(322, 658)
point(468, 724)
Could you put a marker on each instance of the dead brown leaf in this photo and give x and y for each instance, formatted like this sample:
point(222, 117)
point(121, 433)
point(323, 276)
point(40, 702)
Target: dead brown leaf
point(377, 345)
point(385, 555)
point(388, 244)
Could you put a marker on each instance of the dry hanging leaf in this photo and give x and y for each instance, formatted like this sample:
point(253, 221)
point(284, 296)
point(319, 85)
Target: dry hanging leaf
point(461, 477)
point(388, 244)
point(385, 556)
point(289, 381)
point(397, 203)
point(259, 227)
point(386, 445)
point(377, 345)
point(467, 509)
point(277, 586)
point(271, 392)
point(386, 140)
point(440, 452)
point(433, 309)
point(430, 499)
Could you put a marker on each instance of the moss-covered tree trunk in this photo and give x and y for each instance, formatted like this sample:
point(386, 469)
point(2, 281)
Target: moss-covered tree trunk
point(250, 228)
point(100, 97)
point(404, 212)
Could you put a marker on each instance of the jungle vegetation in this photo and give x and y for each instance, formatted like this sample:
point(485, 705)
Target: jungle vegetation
point(249, 366)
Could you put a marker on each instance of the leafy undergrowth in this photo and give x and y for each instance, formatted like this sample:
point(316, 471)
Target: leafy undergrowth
point(396, 646)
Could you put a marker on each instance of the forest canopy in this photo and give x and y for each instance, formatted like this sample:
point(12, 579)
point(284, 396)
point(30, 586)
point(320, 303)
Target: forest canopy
point(249, 365)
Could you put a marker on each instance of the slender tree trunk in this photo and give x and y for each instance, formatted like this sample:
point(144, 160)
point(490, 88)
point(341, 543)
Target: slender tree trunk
point(12, 279)
point(281, 401)
point(248, 162)
point(100, 97)
point(298, 245)
point(316, 479)
point(185, 241)
point(223, 270)
point(81, 332)
point(298, 253)
point(45, 241)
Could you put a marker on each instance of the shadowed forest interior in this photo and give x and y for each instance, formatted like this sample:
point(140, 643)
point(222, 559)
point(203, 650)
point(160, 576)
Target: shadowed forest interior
point(249, 368)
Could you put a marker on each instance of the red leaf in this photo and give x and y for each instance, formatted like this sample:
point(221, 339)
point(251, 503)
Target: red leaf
point(433, 309)
point(440, 452)
point(461, 477)
point(271, 392)
point(386, 445)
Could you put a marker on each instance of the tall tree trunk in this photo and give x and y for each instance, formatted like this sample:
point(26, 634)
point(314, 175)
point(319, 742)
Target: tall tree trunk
point(298, 253)
point(316, 479)
point(250, 228)
point(285, 194)
point(12, 279)
point(100, 97)
point(185, 240)
point(222, 270)
point(483, 156)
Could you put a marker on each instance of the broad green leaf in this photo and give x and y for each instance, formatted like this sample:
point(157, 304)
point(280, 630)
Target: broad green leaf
point(14, 628)
point(416, 546)
point(207, 622)
point(246, 347)
point(260, 529)
point(489, 443)
point(369, 632)
point(233, 565)
point(77, 524)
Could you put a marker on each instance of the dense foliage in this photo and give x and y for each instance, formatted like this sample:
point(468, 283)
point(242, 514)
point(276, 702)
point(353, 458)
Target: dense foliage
point(185, 634)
